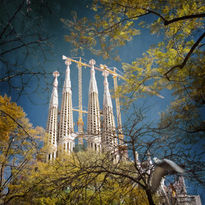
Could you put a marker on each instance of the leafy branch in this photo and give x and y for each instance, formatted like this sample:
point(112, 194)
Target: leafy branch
point(187, 56)
point(166, 22)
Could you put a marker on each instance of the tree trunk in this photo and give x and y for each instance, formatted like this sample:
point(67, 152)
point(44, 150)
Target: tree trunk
point(149, 196)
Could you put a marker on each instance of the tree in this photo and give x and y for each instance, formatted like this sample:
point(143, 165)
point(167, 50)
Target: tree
point(22, 39)
point(144, 141)
point(88, 177)
point(64, 181)
point(19, 144)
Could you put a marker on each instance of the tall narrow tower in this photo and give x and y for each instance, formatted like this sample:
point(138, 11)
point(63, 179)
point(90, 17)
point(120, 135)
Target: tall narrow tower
point(66, 141)
point(93, 122)
point(52, 123)
point(109, 140)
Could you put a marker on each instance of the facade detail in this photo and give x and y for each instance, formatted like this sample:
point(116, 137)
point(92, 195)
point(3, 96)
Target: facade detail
point(175, 193)
point(52, 123)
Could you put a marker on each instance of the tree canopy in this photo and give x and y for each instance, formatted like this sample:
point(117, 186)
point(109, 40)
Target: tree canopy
point(23, 39)
point(19, 145)
point(71, 181)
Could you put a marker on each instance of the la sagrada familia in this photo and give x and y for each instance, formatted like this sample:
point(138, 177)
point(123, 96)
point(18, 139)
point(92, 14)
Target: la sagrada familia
point(101, 129)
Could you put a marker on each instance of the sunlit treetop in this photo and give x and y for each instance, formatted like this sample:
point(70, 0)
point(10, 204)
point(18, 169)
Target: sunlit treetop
point(116, 22)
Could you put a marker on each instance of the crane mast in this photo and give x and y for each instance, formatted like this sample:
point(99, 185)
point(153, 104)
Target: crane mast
point(80, 122)
point(117, 102)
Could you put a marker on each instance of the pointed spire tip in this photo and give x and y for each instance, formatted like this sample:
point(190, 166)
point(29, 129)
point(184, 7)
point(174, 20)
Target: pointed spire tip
point(92, 62)
point(56, 74)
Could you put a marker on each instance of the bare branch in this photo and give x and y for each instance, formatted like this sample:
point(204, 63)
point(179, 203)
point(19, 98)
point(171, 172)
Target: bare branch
point(20, 74)
point(22, 45)
point(12, 18)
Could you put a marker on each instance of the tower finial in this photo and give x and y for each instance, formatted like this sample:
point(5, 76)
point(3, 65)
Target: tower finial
point(68, 62)
point(93, 84)
point(67, 82)
point(55, 75)
point(107, 98)
point(92, 63)
point(105, 74)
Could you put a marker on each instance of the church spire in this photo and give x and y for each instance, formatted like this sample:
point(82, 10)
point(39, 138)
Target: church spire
point(107, 102)
point(67, 83)
point(109, 140)
point(52, 123)
point(66, 113)
point(93, 84)
point(93, 122)
point(54, 95)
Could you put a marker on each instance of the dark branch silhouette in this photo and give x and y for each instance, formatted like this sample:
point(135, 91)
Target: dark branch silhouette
point(187, 56)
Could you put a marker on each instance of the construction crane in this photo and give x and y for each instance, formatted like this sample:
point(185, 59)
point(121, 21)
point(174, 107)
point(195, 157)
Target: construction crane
point(115, 75)
point(80, 111)
point(102, 67)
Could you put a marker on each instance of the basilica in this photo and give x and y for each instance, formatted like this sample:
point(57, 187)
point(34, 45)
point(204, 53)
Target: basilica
point(100, 134)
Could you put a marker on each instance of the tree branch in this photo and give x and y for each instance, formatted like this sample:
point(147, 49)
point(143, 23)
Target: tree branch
point(16, 123)
point(20, 46)
point(12, 18)
point(109, 29)
point(167, 22)
point(156, 13)
point(187, 56)
point(19, 74)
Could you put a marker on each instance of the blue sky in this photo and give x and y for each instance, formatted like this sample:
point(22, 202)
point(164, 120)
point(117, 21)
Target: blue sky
point(53, 25)
point(36, 105)
point(38, 101)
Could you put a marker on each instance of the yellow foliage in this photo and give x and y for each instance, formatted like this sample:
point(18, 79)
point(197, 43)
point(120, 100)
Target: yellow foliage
point(7, 110)
point(70, 181)
point(18, 146)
